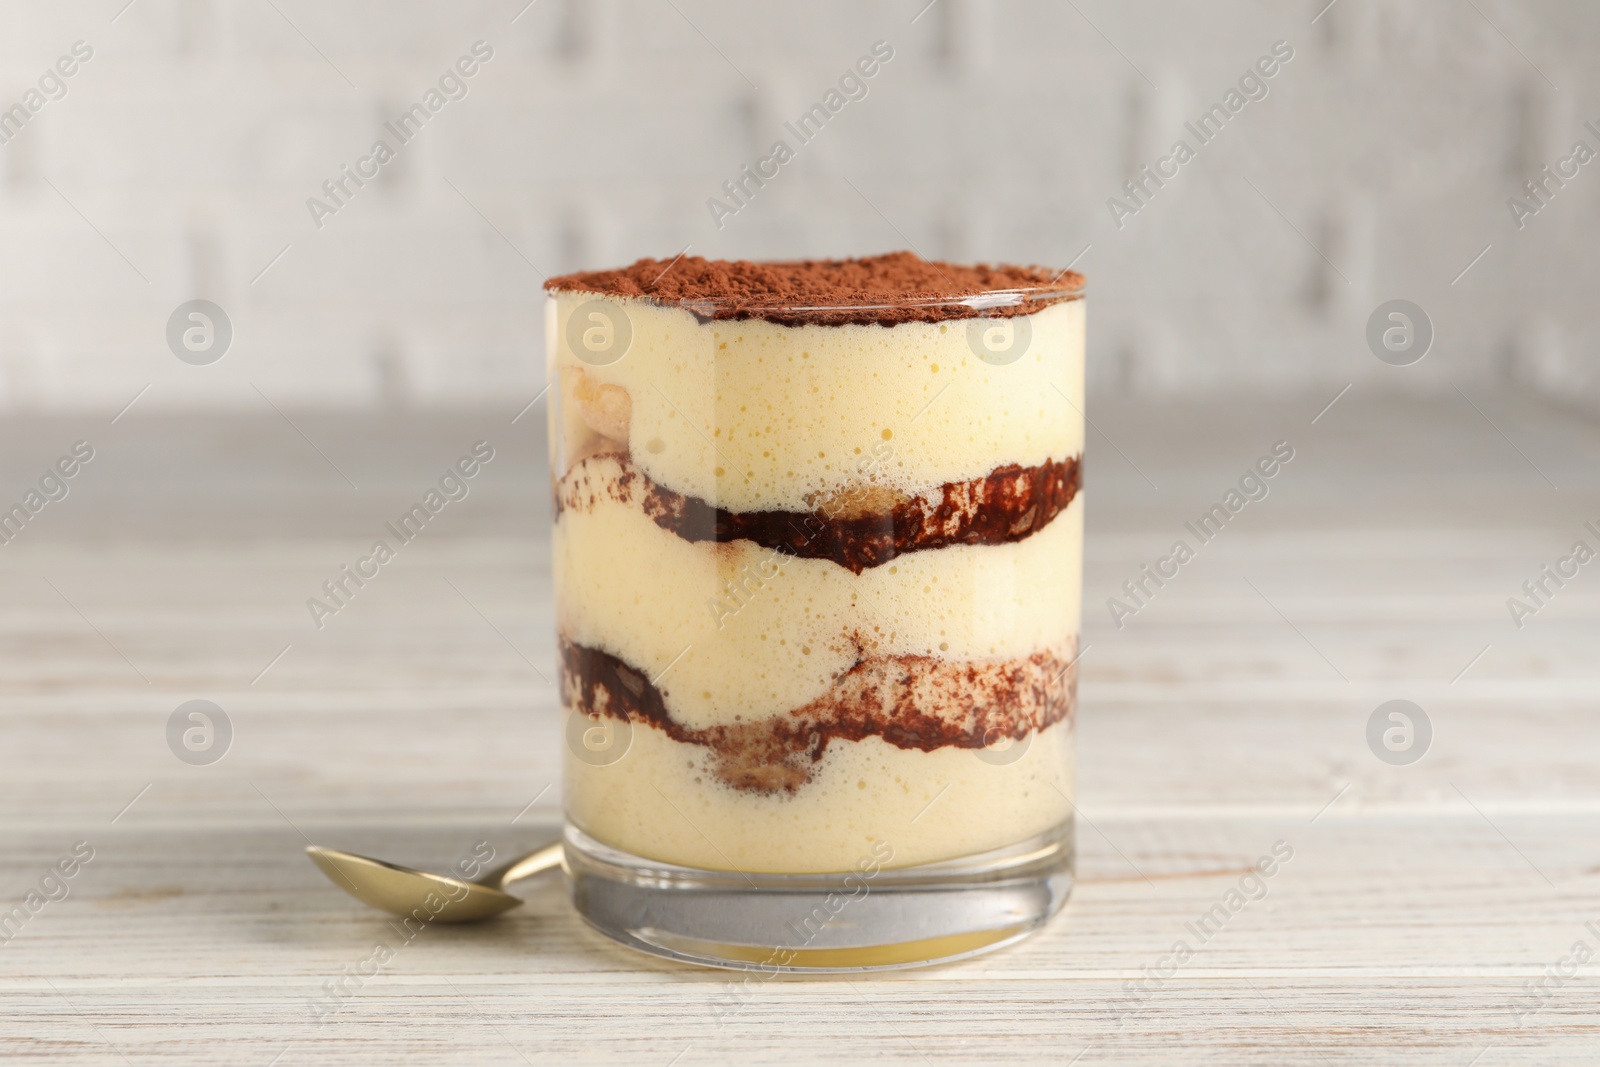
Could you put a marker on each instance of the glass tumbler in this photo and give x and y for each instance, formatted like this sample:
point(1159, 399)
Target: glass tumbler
point(818, 581)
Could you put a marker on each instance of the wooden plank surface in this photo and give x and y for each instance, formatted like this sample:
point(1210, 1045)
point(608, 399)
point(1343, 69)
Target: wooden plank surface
point(1226, 716)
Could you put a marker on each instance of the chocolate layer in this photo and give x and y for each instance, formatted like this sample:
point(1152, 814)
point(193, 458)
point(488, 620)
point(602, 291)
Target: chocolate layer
point(883, 290)
point(856, 529)
point(911, 702)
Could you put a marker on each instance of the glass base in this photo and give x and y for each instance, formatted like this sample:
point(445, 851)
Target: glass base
point(809, 923)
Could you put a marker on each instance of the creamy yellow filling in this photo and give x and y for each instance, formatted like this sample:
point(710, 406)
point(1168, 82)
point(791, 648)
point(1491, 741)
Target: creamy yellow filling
point(660, 801)
point(752, 416)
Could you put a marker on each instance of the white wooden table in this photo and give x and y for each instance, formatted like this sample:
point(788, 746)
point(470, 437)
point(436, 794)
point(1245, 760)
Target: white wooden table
point(1228, 715)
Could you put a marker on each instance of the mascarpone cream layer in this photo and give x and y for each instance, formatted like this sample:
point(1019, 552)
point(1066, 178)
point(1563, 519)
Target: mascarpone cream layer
point(661, 801)
point(750, 415)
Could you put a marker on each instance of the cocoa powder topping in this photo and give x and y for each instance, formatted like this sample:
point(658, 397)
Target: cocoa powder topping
point(885, 290)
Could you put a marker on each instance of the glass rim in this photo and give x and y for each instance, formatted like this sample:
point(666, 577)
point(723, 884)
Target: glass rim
point(977, 303)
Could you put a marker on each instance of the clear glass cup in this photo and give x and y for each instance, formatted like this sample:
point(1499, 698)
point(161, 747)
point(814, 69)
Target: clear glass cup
point(818, 587)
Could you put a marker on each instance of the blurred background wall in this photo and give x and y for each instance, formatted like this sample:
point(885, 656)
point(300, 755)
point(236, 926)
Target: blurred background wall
point(179, 159)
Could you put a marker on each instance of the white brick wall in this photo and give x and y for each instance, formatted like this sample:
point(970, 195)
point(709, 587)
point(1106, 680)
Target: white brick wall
point(194, 136)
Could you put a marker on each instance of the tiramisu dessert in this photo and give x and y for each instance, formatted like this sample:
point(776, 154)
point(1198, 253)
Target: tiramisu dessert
point(817, 557)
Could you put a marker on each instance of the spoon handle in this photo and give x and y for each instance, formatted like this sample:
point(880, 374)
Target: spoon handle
point(523, 866)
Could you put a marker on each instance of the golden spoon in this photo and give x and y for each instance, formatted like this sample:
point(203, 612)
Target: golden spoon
point(430, 897)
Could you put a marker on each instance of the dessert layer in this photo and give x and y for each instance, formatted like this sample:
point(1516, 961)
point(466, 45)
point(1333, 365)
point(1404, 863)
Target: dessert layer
point(795, 696)
point(737, 629)
point(751, 416)
point(860, 527)
point(883, 290)
point(911, 702)
point(661, 801)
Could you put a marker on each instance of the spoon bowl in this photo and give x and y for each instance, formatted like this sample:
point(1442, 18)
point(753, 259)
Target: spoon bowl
point(430, 897)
